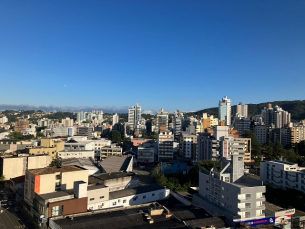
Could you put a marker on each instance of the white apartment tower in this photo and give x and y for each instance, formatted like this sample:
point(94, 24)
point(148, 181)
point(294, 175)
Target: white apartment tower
point(115, 119)
point(224, 110)
point(134, 115)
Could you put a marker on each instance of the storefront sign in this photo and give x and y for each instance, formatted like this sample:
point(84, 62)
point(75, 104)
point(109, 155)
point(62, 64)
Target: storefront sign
point(256, 222)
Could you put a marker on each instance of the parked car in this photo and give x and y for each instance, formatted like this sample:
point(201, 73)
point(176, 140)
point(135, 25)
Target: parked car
point(10, 203)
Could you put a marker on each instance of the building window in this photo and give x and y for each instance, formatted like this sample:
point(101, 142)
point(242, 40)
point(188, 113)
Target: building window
point(57, 177)
point(114, 203)
point(124, 201)
point(144, 196)
point(101, 197)
point(153, 194)
point(91, 199)
point(57, 210)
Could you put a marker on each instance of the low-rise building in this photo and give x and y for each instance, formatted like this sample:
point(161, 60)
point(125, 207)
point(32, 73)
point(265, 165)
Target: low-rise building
point(76, 154)
point(283, 174)
point(146, 155)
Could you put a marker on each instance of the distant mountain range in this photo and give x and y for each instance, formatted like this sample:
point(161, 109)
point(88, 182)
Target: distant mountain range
point(296, 108)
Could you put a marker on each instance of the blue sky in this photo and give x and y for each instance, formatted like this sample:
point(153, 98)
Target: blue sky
point(176, 54)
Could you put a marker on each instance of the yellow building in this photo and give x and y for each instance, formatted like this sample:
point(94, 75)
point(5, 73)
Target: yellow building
point(47, 146)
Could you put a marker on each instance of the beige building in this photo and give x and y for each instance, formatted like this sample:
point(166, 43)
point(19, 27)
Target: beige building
point(297, 134)
point(247, 148)
point(13, 166)
point(47, 146)
point(51, 179)
point(208, 121)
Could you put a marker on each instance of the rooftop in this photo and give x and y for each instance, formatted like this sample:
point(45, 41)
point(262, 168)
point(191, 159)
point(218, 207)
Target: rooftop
point(56, 194)
point(115, 164)
point(100, 178)
point(127, 218)
point(50, 170)
point(134, 191)
point(283, 162)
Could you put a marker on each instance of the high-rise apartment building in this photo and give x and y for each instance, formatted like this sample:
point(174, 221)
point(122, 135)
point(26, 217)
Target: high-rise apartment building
point(115, 119)
point(165, 145)
point(162, 119)
point(178, 119)
point(188, 146)
point(67, 122)
point(134, 115)
point(240, 109)
point(224, 111)
point(276, 116)
point(241, 124)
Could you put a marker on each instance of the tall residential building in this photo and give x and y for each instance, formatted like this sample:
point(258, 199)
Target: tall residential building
point(231, 193)
point(134, 115)
point(240, 109)
point(165, 145)
point(188, 146)
point(81, 116)
point(178, 119)
point(162, 119)
point(261, 132)
point(208, 147)
point(67, 122)
point(230, 145)
point(115, 119)
point(297, 134)
point(224, 111)
point(241, 124)
point(276, 116)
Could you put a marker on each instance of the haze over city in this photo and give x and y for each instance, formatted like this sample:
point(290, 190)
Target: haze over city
point(171, 54)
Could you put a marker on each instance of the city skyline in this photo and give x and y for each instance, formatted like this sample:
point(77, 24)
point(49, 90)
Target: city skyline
point(176, 55)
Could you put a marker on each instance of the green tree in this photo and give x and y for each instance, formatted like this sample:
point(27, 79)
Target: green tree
point(2, 178)
point(154, 135)
point(256, 148)
point(39, 134)
point(15, 135)
point(57, 162)
point(115, 136)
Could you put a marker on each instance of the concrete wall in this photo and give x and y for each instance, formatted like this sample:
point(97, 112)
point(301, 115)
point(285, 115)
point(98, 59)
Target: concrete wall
point(39, 162)
point(47, 183)
point(68, 178)
point(98, 195)
point(12, 167)
point(70, 206)
point(121, 183)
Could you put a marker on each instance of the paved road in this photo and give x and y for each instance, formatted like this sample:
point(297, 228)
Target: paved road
point(8, 220)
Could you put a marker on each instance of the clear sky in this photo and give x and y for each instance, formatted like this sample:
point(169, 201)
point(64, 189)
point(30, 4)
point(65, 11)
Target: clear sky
point(176, 54)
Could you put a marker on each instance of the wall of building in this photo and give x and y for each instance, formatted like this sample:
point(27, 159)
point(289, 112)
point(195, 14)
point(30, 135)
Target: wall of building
point(131, 200)
point(45, 183)
point(68, 178)
point(39, 162)
point(12, 167)
point(121, 183)
point(98, 195)
point(70, 206)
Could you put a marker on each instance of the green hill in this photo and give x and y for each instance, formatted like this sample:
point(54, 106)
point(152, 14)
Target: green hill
point(296, 108)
